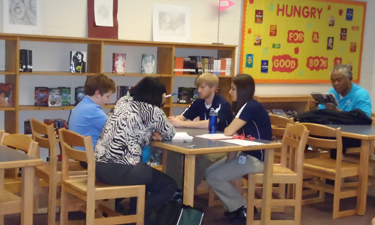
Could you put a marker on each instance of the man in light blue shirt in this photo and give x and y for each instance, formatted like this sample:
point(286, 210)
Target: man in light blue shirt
point(349, 95)
point(88, 117)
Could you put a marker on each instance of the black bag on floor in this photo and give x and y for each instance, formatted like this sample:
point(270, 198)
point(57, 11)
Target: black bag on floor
point(175, 213)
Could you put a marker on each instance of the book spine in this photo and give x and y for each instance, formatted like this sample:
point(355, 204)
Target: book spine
point(29, 61)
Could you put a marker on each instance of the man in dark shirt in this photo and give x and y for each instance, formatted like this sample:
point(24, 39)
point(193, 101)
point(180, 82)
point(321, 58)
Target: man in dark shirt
point(207, 84)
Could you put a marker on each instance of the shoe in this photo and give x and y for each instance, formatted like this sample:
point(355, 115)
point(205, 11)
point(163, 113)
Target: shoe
point(232, 214)
point(238, 215)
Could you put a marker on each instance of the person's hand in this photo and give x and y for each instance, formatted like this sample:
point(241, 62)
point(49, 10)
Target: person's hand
point(156, 136)
point(174, 121)
point(314, 105)
point(331, 106)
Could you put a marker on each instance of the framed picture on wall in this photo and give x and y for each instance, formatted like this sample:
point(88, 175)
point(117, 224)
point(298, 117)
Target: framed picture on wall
point(170, 23)
point(20, 16)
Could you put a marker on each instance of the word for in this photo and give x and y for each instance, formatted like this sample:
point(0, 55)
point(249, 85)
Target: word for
point(295, 36)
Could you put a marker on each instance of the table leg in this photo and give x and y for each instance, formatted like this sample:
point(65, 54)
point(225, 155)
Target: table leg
point(189, 174)
point(267, 187)
point(366, 147)
point(27, 196)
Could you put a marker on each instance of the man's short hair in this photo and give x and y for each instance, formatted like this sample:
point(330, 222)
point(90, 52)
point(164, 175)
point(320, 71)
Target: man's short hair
point(99, 82)
point(208, 78)
point(345, 69)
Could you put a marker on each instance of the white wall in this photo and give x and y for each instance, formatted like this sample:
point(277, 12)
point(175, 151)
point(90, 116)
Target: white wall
point(69, 18)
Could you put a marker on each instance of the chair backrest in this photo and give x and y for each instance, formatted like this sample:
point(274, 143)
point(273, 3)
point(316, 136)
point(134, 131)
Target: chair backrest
point(46, 137)
point(373, 118)
point(324, 137)
point(19, 142)
point(69, 140)
point(293, 144)
point(278, 124)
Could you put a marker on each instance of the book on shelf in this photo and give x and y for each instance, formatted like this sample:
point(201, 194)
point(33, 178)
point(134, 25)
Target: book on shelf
point(77, 62)
point(119, 63)
point(148, 65)
point(279, 112)
point(326, 98)
point(54, 97)
point(185, 95)
point(269, 111)
point(65, 95)
point(57, 123)
point(6, 95)
point(26, 60)
point(178, 65)
point(79, 94)
point(122, 91)
point(41, 96)
point(26, 127)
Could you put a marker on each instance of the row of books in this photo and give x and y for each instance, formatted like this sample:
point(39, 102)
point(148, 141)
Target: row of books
point(57, 97)
point(202, 64)
point(26, 60)
point(283, 112)
point(6, 95)
point(57, 123)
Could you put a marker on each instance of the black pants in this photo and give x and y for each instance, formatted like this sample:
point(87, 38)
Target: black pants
point(159, 186)
point(346, 143)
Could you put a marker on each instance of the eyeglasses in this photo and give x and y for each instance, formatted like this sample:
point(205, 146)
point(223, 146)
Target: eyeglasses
point(243, 137)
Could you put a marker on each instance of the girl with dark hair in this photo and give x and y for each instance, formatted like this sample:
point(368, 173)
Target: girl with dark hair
point(135, 120)
point(251, 120)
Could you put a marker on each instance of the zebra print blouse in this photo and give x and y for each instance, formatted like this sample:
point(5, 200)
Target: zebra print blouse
point(128, 130)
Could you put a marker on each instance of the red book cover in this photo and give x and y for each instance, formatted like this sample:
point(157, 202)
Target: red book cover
point(179, 66)
point(223, 66)
point(119, 63)
point(6, 95)
point(41, 96)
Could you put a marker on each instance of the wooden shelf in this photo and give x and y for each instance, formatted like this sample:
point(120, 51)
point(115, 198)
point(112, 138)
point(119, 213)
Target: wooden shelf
point(7, 109)
point(196, 75)
point(300, 103)
point(137, 75)
point(51, 73)
point(177, 105)
point(283, 98)
point(7, 73)
point(43, 108)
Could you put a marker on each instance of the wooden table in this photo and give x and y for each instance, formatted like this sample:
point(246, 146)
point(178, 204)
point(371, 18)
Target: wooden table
point(196, 146)
point(9, 159)
point(366, 133)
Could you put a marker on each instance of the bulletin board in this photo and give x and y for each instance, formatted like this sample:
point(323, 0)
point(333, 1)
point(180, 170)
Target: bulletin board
point(298, 41)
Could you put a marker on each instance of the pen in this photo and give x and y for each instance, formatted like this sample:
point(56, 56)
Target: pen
point(170, 95)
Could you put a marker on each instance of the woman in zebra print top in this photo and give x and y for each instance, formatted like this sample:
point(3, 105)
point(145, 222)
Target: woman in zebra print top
point(135, 120)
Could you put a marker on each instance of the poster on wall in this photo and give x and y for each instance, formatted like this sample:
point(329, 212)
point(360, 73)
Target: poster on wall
point(170, 23)
point(23, 17)
point(301, 41)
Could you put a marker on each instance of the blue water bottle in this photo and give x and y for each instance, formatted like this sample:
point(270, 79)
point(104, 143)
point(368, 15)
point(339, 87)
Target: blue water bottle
point(212, 123)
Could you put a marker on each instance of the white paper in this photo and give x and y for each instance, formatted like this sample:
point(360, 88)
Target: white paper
point(242, 142)
point(103, 11)
point(214, 136)
point(171, 23)
point(182, 136)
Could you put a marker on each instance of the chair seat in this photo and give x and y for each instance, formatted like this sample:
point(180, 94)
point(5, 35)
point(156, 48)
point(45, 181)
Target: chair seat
point(102, 190)
point(9, 202)
point(328, 166)
point(75, 167)
point(281, 173)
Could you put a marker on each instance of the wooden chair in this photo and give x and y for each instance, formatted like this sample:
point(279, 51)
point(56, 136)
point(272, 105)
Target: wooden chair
point(294, 142)
point(50, 172)
point(10, 203)
point(328, 138)
point(89, 190)
point(278, 124)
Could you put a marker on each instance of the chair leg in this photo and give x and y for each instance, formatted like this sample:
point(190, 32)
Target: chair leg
point(298, 202)
point(250, 199)
point(90, 211)
point(52, 195)
point(336, 198)
point(64, 207)
point(141, 205)
point(36, 194)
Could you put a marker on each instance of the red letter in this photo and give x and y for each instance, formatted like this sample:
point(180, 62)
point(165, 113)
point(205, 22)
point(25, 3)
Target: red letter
point(304, 13)
point(291, 11)
point(313, 10)
point(297, 11)
point(319, 12)
point(315, 37)
point(280, 9)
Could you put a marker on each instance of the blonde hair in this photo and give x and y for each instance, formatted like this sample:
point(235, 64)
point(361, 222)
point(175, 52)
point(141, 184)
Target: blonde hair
point(208, 78)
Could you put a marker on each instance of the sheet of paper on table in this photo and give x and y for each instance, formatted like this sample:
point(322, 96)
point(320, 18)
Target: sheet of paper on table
point(214, 136)
point(242, 142)
point(182, 136)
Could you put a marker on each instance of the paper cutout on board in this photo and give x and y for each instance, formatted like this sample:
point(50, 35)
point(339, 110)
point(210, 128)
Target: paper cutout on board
point(337, 60)
point(259, 16)
point(342, 49)
point(264, 67)
point(249, 31)
point(296, 50)
point(330, 43)
point(301, 73)
point(341, 12)
point(355, 28)
point(258, 40)
point(277, 46)
point(284, 63)
point(265, 51)
point(249, 60)
point(329, 7)
point(349, 14)
point(295, 36)
point(353, 46)
point(309, 26)
point(331, 22)
point(315, 37)
point(317, 63)
point(272, 7)
point(343, 34)
point(273, 30)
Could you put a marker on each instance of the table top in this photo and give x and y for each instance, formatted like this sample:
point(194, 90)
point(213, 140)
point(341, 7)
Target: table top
point(364, 132)
point(205, 146)
point(10, 158)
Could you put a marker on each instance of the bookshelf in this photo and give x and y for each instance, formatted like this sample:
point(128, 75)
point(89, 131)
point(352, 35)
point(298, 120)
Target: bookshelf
point(300, 103)
point(99, 60)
